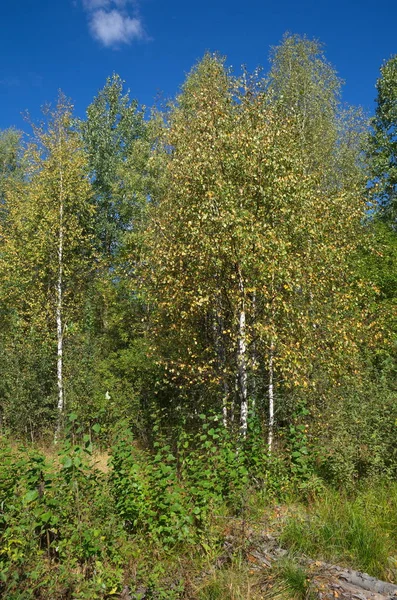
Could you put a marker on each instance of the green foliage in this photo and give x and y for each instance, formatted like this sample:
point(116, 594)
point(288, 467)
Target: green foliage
point(27, 383)
point(113, 125)
point(213, 466)
point(119, 141)
point(11, 165)
point(107, 385)
point(66, 526)
point(147, 492)
point(172, 496)
point(353, 436)
point(383, 143)
point(305, 87)
point(108, 371)
point(300, 460)
point(58, 528)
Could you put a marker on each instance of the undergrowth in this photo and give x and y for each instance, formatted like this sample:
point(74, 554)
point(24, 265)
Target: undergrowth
point(156, 521)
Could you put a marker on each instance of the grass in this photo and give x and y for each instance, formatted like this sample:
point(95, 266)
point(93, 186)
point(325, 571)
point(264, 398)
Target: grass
point(289, 580)
point(358, 531)
point(236, 582)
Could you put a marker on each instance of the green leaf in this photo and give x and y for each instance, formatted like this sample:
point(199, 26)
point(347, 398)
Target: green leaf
point(66, 462)
point(30, 496)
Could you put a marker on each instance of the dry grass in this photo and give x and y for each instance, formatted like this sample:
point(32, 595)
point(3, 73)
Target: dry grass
point(235, 583)
point(50, 451)
point(100, 460)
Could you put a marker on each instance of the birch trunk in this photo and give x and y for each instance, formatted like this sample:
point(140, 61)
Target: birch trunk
point(242, 363)
point(254, 359)
point(271, 399)
point(224, 405)
point(59, 295)
point(271, 373)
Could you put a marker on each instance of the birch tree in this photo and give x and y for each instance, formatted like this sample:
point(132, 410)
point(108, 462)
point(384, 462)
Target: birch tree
point(48, 246)
point(190, 266)
point(248, 243)
point(304, 87)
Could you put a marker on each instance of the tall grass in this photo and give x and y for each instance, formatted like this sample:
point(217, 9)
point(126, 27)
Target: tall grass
point(358, 531)
point(290, 582)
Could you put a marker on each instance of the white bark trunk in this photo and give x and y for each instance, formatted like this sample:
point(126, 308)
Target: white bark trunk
point(242, 351)
point(59, 315)
point(224, 411)
point(242, 364)
point(233, 404)
point(254, 360)
point(271, 373)
point(271, 398)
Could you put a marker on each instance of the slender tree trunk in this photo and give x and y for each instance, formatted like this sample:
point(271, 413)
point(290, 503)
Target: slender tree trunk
point(242, 363)
point(224, 405)
point(271, 398)
point(233, 401)
point(271, 373)
point(59, 315)
point(254, 359)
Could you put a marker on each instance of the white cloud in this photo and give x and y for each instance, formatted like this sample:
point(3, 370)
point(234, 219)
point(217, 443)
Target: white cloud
point(112, 28)
point(111, 23)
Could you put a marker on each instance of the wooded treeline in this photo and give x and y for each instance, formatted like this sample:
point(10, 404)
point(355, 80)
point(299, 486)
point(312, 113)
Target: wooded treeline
point(233, 254)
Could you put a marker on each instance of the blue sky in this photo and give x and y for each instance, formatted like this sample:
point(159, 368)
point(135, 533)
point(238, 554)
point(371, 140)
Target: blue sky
point(75, 44)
